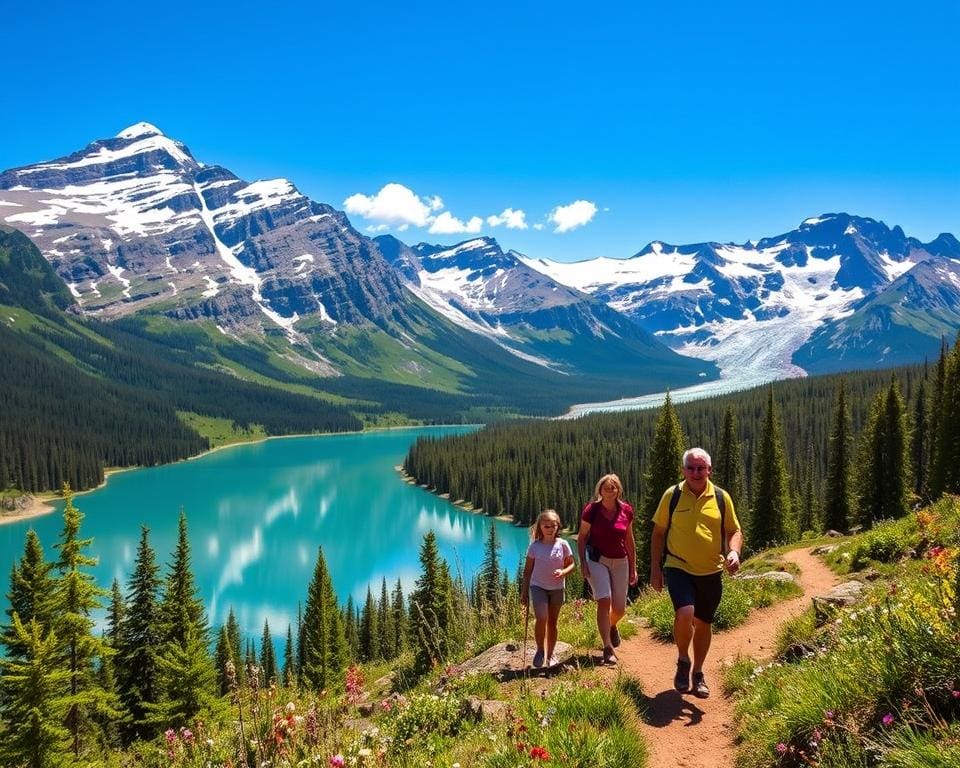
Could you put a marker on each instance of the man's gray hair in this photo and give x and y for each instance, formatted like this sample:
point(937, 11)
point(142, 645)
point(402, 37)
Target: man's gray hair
point(698, 453)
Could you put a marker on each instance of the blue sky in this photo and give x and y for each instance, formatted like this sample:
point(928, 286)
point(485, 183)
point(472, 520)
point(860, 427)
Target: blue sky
point(606, 128)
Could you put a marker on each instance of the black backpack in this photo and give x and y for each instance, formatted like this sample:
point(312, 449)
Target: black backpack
point(674, 500)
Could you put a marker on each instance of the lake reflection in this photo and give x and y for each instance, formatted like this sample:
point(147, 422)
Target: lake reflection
point(257, 513)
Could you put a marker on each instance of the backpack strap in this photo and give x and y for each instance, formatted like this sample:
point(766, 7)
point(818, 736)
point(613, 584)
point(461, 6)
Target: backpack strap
point(721, 497)
point(674, 499)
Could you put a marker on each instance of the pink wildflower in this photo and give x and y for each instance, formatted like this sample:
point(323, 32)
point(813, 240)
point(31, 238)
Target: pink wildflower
point(888, 719)
point(337, 761)
point(781, 748)
point(955, 694)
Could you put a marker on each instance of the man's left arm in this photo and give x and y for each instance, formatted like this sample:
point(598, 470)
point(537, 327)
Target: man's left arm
point(734, 541)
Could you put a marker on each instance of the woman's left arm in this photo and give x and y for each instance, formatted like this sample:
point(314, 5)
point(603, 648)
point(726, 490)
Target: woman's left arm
point(631, 553)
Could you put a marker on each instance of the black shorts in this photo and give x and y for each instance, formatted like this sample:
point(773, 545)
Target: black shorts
point(702, 592)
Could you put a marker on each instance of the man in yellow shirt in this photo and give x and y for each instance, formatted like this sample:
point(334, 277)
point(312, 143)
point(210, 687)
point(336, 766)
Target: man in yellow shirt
point(693, 540)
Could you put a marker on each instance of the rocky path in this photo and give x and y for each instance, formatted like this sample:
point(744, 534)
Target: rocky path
point(688, 732)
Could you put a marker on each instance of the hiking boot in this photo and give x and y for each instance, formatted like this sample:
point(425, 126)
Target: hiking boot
point(609, 657)
point(538, 658)
point(681, 680)
point(553, 662)
point(614, 636)
point(700, 689)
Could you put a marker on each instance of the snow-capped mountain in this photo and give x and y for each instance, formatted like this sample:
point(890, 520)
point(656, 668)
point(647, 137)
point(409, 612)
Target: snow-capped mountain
point(789, 303)
point(494, 293)
point(136, 221)
point(136, 224)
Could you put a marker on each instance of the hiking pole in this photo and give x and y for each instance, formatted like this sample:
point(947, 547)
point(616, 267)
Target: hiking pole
point(526, 632)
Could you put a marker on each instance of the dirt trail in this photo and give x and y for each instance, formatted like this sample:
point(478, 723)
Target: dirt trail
point(688, 732)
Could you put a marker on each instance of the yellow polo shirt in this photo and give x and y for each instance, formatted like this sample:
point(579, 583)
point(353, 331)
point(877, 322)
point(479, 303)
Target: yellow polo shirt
point(694, 534)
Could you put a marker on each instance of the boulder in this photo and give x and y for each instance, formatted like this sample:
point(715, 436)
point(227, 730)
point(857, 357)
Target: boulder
point(507, 660)
point(824, 549)
point(770, 576)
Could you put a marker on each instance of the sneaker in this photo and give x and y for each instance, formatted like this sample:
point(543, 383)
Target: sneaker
point(681, 680)
point(553, 662)
point(609, 657)
point(700, 689)
point(614, 636)
point(538, 658)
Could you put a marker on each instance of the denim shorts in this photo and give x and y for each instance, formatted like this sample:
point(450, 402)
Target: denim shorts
point(702, 592)
point(543, 598)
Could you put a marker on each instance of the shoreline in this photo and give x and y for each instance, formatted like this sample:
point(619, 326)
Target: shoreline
point(42, 504)
point(34, 507)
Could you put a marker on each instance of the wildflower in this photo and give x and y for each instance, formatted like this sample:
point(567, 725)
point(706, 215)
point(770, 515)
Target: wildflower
point(521, 747)
point(170, 735)
point(539, 753)
point(955, 694)
point(781, 748)
point(887, 719)
point(828, 715)
point(337, 761)
point(187, 735)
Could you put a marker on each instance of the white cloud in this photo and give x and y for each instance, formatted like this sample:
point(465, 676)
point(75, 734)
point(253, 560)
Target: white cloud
point(395, 205)
point(538, 227)
point(510, 218)
point(569, 217)
point(447, 224)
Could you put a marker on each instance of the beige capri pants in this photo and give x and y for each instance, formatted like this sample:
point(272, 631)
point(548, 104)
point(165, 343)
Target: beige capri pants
point(608, 578)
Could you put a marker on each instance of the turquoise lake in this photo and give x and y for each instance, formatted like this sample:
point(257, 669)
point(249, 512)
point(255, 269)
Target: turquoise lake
point(257, 513)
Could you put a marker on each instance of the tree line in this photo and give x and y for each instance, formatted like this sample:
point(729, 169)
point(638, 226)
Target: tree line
point(69, 694)
point(797, 456)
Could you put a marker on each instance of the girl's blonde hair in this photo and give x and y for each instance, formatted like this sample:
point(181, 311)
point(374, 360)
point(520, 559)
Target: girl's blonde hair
point(611, 478)
point(535, 531)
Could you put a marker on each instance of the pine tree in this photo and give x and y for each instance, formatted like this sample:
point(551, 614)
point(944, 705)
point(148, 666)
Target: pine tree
point(919, 445)
point(771, 516)
point(31, 586)
point(351, 629)
point(187, 679)
point(838, 506)
point(235, 645)
point(388, 650)
point(139, 638)
point(289, 670)
point(222, 655)
point(429, 619)
point(936, 467)
point(75, 596)
point(728, 465)
point(268, 656)
point(663, 463)
point(884, 450)
point(32, 701)
point(945, 472)
point(369, 630)
point(399, 610)
point(324, 645)
point(180, 607)
point(489, 575)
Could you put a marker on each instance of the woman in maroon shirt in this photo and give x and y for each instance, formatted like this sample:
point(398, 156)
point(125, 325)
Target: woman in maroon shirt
point(608, 557)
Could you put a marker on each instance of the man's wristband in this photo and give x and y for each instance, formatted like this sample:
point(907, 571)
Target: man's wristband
point(734, 552)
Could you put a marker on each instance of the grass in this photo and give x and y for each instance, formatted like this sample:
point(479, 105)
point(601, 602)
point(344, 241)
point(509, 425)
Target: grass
point(740, 596)
point(221, 431)
point(879, 684)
